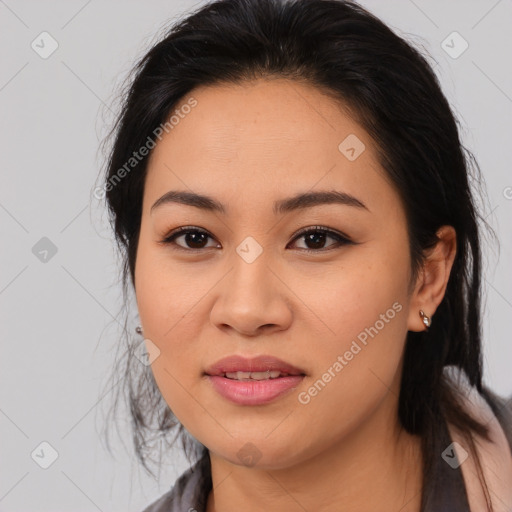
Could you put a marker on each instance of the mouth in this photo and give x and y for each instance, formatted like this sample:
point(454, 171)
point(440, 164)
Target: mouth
point(255, 381)
point(248, 376)
point(257, 368)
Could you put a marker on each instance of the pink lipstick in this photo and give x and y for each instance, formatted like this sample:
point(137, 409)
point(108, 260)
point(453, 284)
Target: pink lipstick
point(254, 381)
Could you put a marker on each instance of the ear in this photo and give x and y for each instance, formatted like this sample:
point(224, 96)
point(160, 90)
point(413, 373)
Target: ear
point(433, 278)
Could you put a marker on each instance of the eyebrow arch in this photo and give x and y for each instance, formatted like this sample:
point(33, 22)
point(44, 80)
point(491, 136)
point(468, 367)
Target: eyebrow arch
point(297, 202)
point(310, 199)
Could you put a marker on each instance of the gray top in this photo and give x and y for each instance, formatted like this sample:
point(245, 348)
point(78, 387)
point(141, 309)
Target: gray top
point(448, 493)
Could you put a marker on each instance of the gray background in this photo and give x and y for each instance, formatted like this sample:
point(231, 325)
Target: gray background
point(60, 318)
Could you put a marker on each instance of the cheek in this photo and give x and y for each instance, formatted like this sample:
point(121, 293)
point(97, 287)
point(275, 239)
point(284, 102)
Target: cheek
point(172, 312)
point(166, 293)
point(357, 361)
point(355, 369)
point(370, 288)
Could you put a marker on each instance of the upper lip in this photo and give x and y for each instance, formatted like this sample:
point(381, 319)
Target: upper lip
point(261, 363)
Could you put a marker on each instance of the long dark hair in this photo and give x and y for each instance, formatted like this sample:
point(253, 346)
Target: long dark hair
point(393, 93)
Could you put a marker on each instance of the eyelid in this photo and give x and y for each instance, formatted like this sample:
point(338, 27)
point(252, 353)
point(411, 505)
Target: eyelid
point(341, 238)
point(323, 229)
point(170, 237)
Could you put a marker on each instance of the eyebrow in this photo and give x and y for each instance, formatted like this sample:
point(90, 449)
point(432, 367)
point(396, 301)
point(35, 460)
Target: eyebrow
point(297, 202)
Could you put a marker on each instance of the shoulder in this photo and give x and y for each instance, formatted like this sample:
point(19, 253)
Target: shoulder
point(495, 454)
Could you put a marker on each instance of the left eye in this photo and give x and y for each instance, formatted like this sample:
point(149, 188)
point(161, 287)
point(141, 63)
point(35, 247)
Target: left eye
point(314, 238)
point(317, 236)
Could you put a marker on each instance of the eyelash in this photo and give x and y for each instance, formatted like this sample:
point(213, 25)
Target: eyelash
point(340, 239)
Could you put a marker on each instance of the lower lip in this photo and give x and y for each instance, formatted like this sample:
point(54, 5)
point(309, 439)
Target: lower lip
point(255, 392)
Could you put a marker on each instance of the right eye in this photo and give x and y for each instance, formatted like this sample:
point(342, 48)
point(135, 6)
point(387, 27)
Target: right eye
point(193, 238)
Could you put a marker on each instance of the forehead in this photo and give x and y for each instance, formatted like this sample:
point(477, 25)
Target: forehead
point(258, 138)
point(291, 119)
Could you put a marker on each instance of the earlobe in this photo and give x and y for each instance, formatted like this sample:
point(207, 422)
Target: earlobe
point(432, 280)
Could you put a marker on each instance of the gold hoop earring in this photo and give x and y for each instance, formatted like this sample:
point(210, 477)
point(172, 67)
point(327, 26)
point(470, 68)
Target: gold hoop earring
point(426, 319)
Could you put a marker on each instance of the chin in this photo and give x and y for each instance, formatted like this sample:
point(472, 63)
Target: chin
point(258, 452)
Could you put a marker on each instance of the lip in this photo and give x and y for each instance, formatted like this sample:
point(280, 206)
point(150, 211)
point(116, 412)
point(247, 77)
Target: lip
point(255, 364)
point(256, 392)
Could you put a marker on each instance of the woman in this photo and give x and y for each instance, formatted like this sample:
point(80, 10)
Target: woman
point(290, 195)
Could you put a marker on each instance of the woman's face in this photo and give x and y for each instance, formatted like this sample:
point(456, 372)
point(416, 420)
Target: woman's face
point(248, 282)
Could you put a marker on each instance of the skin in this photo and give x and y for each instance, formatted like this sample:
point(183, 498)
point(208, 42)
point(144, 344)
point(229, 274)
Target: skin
point(247, 146)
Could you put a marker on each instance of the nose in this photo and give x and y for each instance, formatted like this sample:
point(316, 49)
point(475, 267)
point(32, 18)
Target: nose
point(252, 299)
